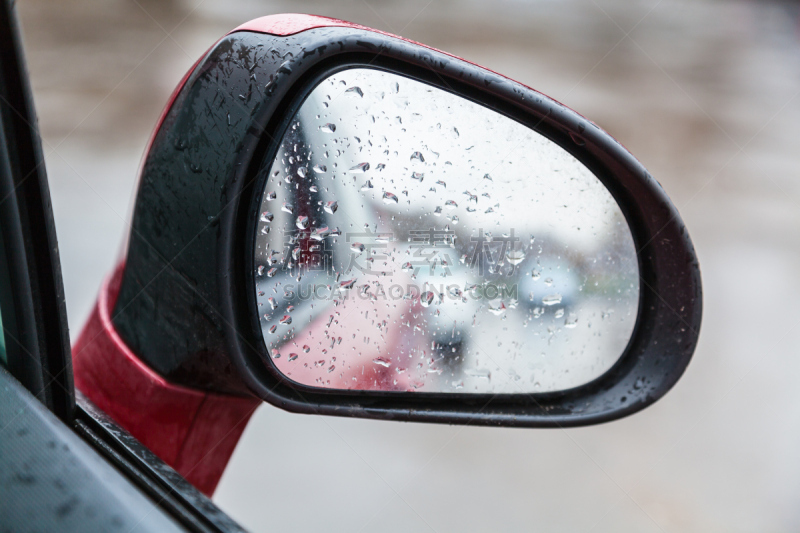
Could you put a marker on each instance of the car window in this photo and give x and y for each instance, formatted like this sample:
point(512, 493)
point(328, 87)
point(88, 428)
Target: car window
point(5, 301)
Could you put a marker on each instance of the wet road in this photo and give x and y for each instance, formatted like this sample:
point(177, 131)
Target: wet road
point(705, 94)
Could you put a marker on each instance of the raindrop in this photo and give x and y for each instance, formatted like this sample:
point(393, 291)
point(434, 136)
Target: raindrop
point(302, 172)
point(272, 329)
point(487, 177)
point(273, 303)
point(266, 216)
point(357, 247)
point(260, 270)
point(306, 348)
point(451, 204)
point(355, 90)
point(320, 233)
point(287, 208)
point(417, 176)
point(286, 320)
point(382, 361)
point(407, 267)
point(437, 211)
point(515, 257)
point(272, 272)
point(347, 285)
point(418, 156)
point(271, 196)
point(367, 186)
point(292, 356)
point(559, 313)
point(360, 168)
point(535, 274)
point(426, 298)
point(320, 169)
point(571, 321)
point(331, 207)
point(552, 299)
point(328, 128)
point(443, 184)
point(499, 310)
point(455, 292)
point(389, 198)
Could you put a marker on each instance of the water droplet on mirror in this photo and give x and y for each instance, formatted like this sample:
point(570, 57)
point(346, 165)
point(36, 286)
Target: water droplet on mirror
point(260, 270)
point(407, 267)
point(355, 90)
point(347, 285)
point(328, 128)
point(286, 320)
point(487, 177)
point(302, 222)
point(357, 247)
point(271, 196)
point(273, 329)
point(548, 282)
point(320, 233)
point(571, 321)
point(515, 257)
point(437, 211)
point(272, 303)
point(552, 299)
point(535, 274)
point(306, 348)
point(418, 156)
point(266, 216)
point(455, 292)
point(272, 272)
point(331, 207)
point(367, 186)
point(302, 172)
point(382, 361)
point(320, 169)
point(451, 204)
point(498, 310)
point(390, 198)
point(360, 168)
point(559, 313)
point(287, 208)
point(292, 356)
point(426, 298)
point(417, 176)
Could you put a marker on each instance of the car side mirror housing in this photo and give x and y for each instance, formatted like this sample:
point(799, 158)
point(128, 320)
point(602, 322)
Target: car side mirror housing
point(340, 221)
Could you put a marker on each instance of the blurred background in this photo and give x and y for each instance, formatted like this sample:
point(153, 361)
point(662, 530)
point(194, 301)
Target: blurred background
point(704, 93)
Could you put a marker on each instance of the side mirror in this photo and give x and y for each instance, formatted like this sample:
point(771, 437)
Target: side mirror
point(340, 221)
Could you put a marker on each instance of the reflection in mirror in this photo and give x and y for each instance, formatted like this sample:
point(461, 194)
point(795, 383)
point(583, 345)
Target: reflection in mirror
point(409, 239)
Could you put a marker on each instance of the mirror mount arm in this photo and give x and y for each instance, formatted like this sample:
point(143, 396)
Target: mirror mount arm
point(193, 431)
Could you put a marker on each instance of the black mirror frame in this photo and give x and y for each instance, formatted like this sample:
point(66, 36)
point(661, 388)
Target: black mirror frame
point(195, 321)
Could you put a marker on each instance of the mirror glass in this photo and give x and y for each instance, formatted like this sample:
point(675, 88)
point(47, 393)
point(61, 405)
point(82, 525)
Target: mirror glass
point(409, 239)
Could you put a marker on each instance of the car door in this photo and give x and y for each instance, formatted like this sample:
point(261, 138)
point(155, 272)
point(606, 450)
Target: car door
point(64, 466)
